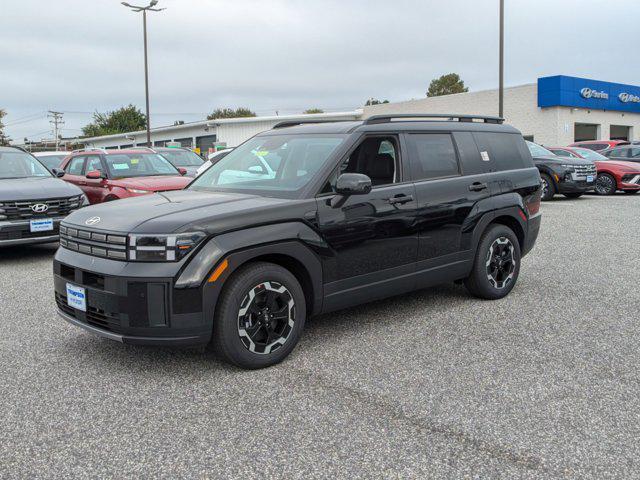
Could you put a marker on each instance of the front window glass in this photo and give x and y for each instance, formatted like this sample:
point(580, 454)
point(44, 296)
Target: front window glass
point(125, 165)
point(538, 151)
point(270, 165)
point(17, 164)
point(589, 154)
point(182, 158)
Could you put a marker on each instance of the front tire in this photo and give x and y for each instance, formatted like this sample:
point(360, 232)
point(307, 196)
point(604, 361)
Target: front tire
point(260, 316)
point(606, 184)
point(548, 187)
point(573, 195)
point(496, 265)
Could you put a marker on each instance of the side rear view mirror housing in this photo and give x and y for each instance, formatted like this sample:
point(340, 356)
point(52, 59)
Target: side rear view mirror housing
point(58, 172)
point(95, 175)
point(350, 184)
point(183, 171)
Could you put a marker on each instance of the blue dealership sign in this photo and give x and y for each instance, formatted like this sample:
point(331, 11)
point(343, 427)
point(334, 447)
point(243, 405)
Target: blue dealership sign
point(585, 93)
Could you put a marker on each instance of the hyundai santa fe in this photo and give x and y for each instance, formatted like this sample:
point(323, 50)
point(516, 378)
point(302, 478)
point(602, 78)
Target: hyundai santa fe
point(301, 220)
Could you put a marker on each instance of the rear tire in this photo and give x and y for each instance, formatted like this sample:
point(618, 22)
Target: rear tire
point(496, 264)
point(548, 187)
point(606, 184)
point(573, 195)
point(260, 316)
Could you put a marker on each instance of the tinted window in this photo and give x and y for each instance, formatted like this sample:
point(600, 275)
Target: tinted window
point(18, 164)
point(561, 153)
point(594, 146)
point(502, 149)
point(75, 166)
point(433, 156)
point(470, 160)
point(635, 152)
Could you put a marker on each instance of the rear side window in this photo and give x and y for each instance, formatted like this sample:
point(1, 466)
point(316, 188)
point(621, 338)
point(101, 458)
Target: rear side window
point(506, 151)
point(635, 152)
point(594, 146)
point(619, 153)
point(432, 156)
point(75, 166)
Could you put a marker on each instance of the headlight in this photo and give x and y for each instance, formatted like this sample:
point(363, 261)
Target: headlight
point(138, 192)
point(84, 200)
point(162, 248)
point(571, 168)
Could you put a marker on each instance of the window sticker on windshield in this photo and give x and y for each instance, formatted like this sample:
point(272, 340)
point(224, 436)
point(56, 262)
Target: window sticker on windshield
point(485, 156)
point(135, 161)
point(121, 166)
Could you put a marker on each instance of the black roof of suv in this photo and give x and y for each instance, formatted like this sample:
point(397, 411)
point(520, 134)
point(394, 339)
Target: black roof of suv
point(300, 220)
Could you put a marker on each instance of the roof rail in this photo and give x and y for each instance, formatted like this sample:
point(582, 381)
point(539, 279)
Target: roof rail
point(89, 149)
point(374, 119)
point(293, 123)
point(148, 149)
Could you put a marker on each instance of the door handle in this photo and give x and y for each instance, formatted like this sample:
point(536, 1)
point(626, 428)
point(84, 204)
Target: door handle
point(400, 199)
point(477, 186)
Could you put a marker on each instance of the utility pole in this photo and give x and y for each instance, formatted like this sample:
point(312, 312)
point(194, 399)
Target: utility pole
point(501, 68)
point(57, 122)
point(144, 10)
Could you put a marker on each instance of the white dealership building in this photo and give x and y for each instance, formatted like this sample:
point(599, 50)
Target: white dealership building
point(555, 110)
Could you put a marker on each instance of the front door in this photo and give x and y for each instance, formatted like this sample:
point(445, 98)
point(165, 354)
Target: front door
point(372, 237)
point(74, 172)
point(95, 188)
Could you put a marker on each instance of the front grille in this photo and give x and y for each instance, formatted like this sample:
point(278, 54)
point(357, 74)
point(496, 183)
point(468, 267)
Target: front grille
point(22, 234)
point(55, 207)
point(96, 243)
point(584, 170)
point(95, 317)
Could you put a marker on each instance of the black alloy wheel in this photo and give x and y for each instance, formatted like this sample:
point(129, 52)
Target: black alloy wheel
point(501, 264)
point(605, 184)
point(548, 187)
point(260, 316)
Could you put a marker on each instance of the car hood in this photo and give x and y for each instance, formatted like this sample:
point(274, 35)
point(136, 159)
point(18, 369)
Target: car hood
point(564, 160)
point(175, 212)
point(629, 166)
point(36, 188)
point(155, 184)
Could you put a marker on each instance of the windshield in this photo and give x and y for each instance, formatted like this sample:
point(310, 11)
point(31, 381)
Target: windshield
point(589, 154)
point(52, 161)
point(277, 165)
point(16, 164)
point(182, 158)
point(538, 151)
point(126, 165)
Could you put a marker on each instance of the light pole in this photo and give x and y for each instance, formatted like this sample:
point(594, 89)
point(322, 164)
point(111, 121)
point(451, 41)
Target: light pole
point(144, 10)
point(501, 68)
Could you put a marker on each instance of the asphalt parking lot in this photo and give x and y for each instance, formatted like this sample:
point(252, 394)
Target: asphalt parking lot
point(541, 384)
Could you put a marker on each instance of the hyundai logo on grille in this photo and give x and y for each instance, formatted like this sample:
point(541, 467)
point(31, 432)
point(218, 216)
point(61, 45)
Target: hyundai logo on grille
point(39, 208)
point(92, 221)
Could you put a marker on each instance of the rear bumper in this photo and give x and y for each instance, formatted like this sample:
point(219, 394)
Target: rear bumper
point(533, 229)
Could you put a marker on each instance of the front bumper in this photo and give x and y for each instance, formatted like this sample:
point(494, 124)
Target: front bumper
point(131, 302)
point(18, 232)
point(576, 186)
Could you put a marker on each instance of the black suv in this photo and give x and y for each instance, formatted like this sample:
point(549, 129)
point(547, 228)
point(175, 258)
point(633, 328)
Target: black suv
point(301, 220)
point(32, 200)
point(572, 177)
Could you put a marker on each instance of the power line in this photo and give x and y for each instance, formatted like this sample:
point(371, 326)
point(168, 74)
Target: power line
point(57, 122)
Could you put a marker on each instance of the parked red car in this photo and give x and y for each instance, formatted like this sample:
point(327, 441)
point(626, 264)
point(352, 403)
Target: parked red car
point(599, 145)
point(613, 175)
point(106, 175)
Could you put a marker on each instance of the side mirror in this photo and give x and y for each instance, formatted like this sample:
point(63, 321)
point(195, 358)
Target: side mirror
point(183, 171)
point(95, 175)
point(58, 172)
point(353, 184)
point(350, 184)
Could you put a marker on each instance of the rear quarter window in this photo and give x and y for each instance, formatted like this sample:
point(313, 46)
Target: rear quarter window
point(505, 151)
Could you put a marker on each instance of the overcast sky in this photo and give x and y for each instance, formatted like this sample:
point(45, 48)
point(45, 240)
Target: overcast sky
point(79, 56)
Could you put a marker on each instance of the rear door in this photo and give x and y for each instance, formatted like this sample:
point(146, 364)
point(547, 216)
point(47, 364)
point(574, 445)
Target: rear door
point(446, 191)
